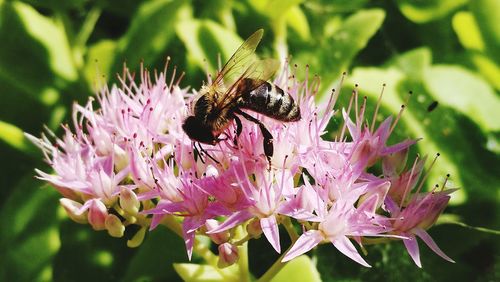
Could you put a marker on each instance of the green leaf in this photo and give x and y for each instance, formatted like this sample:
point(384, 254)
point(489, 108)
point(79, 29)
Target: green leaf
point(297, 21)
point(89, 255)
point(150, 32)
point(346, 42)
point(370, 81)
point(465, 92)
point(429, 10)
point(413, 63)
point(14, 136)
point(57, 4)
point(202, 273)
point(31, 237)
point(274, 9)
point(155, 257)
point(35, 56)
point(468, 32)
point(488, 68)
point(100, 58)
point(205, 39)
point(299, 269)
point(487, 13)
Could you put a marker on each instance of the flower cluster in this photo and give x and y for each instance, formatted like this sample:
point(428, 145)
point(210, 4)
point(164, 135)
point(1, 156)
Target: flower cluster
point(128, 163)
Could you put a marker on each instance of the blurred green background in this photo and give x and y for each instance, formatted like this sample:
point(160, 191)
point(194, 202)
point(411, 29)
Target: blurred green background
point(55, 52)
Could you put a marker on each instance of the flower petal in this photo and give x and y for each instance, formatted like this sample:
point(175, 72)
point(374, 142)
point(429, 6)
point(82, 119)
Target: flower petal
point(412, 248)
point(232, 221)
point(428, 240)
point(345, 246)
point(270, 228)
point(305, 243)
point(398, 147)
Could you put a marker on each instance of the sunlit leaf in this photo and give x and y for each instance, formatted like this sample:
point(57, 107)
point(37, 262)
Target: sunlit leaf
point(299, 269)
point(150, 32)
point(274, 9)
point(413, 63)
point(371, 80)
point(35, 56)
point(464, 91)
point(467, 30)
point(202, 273)
point(14, 136)
point(429, 10)
point(487, 13)
point(206, 39)
point(100, 58)
point(297, 20)
point(488, 68)
point(347, 41)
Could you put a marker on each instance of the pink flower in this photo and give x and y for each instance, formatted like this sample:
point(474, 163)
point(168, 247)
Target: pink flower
point(265, 197)
point(194, 206)
point(369, 146)
point(126, 154)
point(420, 214)
point(339, 222)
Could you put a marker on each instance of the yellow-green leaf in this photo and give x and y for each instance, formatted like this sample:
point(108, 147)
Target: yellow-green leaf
point(298, 270)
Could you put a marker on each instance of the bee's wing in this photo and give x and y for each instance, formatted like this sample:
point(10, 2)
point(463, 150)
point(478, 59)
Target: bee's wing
point(259, 72)
point(238, 63)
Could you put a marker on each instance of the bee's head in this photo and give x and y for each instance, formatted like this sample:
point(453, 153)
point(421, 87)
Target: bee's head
point(198, 131)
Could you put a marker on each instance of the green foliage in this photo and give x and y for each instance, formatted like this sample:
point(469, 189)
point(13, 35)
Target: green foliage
point(55, 52)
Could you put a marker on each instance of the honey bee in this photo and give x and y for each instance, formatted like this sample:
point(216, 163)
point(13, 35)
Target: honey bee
point(240, 84)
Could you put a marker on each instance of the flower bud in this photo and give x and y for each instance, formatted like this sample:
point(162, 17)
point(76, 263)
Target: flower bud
point(136, 241)
point(74, 210)
point(97, 214)
point(129, 201)
point(121, 158)
point(431, 209)
point(394, 163)
point(114, 226)
point(217, 238)
point(254, 229)
point(228, 255)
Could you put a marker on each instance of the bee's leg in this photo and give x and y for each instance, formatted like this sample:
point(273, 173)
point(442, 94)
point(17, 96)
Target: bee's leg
point(239, 128)
point(204, 152)
point(268, 137)
point(197, 154)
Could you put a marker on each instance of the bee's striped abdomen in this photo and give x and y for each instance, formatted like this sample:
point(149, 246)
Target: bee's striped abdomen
point(270, 100)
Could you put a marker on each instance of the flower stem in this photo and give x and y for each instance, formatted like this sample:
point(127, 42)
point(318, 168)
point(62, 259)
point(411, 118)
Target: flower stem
point(243, 263)
point(244, 272)
point(273, 270)
point(287, 223)
point(87, 27)
point(198, 247)
point(278, 265)
point(171, 223)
